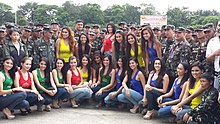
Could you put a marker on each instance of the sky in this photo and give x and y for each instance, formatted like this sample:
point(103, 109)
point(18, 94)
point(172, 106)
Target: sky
point(161, 5)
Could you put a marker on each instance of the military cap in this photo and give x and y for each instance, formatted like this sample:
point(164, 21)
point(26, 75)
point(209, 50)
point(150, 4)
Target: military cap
point(87, 26)
point(91, 33)
point(79, 20)
point(103, 31)
point(96, 26)
point(2, 28)
point(189, 29)
point(27, 28)
point(145, 25)
point(163, 27)
point(9, 25)
point(36, 29)
point(40, 24)
point(170, 27)
point(133, 27)
point(54, 22)
point(122, 23)
point(47, 29)
point(180, 29)
point(156, 28)
point(199, 29)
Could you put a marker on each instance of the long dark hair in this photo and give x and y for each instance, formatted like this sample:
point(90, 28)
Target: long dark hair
point(124, 67)
point(113, 28)
point(47, 70)
point(129, 70)
point(62, 69)
point(186, 73)
point(95, 65)
point(161, 73)
point(13, 69)
point(144, 41)
point(191, 78)
point(88, 66)
point(117, 44)
point(110, 65)
point(128, 46)
point(87, 48)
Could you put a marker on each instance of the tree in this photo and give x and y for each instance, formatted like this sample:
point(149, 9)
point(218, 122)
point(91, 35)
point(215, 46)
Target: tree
point(131, 14)
point(28, 10)
point(179, 16)
point(6, 14)
point(148, 9)
point(91, 13)
point(46, 13)
point(114, 14)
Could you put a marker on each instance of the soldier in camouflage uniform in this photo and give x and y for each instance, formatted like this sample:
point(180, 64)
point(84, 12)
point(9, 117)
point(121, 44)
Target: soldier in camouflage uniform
point(78, 29)
point(25, 39)
point(194, 46)
point(178, 52)
point(169, 33)
point(2, 45)
point(45, 47)
point(56, 28)
point(96, 45)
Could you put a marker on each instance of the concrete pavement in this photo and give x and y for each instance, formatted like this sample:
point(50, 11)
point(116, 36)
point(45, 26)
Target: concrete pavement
point(82, 115)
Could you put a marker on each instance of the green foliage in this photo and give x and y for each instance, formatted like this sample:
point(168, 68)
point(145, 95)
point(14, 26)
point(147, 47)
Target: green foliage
point(5, 14)
point(69, 12)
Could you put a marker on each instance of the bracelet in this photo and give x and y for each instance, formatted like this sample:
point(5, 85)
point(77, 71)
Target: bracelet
point(12, 91)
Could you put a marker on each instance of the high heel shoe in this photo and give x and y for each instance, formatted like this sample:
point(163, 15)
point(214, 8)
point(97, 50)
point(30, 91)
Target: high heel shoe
point(134, 109)
point(149, 115)
point(23, 112)
point(73, 103)
point(7, 114)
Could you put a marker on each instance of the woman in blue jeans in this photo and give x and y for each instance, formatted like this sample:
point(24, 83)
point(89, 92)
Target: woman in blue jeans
point(10, 98)
point(75, 80)
point(133, 84)
point(45, 84)
point(157, 85)
point(175, 95)
point(58, 76)
point(24, 79)
point(119, 76)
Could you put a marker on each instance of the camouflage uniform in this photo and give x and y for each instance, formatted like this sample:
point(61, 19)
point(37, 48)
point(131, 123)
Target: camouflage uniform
point(194, 47)
point(30, 47)
point(96, 45)
point(179, 52)
point(46, 49)
point(166, 44)
point(2, 53)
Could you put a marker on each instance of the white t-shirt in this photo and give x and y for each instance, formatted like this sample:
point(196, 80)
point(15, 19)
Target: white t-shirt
point(214, 45)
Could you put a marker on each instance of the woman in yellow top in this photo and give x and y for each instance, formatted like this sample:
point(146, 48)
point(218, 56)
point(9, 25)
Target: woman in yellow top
point(85, 69)
point(193, 92)
point(65, 47)
point(133, 49)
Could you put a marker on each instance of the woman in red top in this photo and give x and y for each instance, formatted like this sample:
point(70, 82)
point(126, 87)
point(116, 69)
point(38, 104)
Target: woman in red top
point(24, 79)
point(74, 78)
point(109, 38)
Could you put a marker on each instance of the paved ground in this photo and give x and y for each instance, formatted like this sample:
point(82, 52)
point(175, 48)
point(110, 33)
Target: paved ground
point(82, 115)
